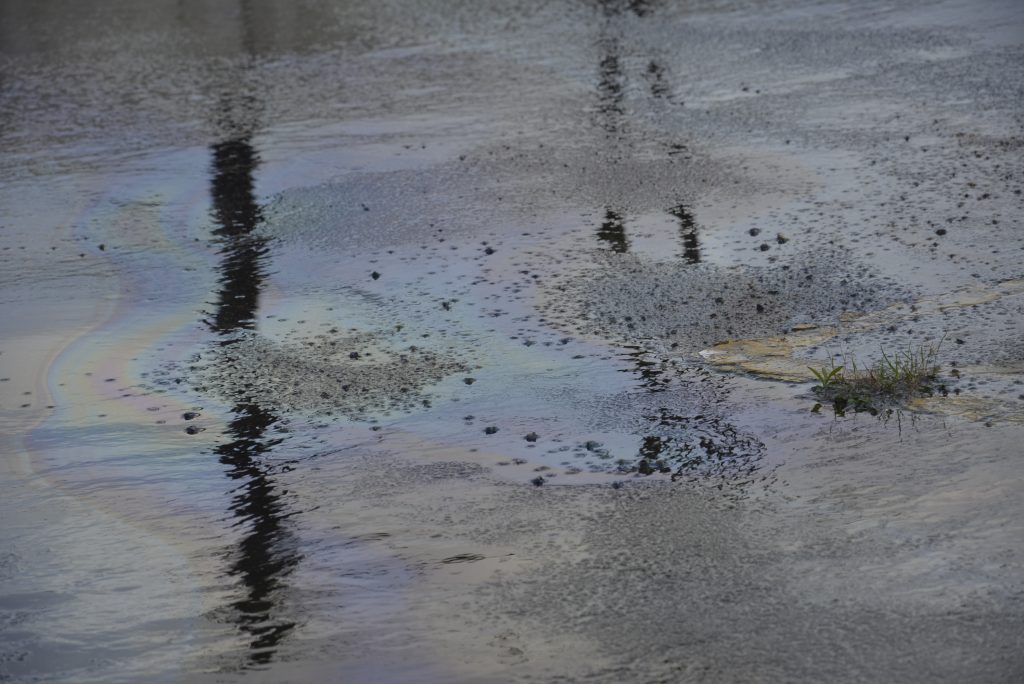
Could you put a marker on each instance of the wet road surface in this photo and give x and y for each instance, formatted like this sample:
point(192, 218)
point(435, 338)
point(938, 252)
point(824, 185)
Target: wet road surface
point(469, 341)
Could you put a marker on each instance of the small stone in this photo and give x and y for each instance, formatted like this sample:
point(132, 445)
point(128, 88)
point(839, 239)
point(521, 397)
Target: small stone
point(532, 437)
point(490, 430)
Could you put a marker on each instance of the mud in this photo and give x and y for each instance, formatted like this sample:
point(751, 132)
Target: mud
point(347, 375)
point(687, 309)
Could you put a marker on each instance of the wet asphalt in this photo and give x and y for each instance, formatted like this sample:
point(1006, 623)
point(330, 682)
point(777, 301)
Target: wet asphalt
point(466, 341)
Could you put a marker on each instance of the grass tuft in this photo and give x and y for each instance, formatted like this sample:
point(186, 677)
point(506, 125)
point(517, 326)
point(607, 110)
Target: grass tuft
point(891, 380)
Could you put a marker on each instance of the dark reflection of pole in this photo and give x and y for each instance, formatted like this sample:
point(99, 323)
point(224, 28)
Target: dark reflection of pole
point(687, 233)
point(612, 232)
point(656, 76)
point(612, 8)
point(641, 8)
point(266, 553)
point(237, 214)
point(650, 373)
point(698, 447)
point(610, 86)
point(610, 83)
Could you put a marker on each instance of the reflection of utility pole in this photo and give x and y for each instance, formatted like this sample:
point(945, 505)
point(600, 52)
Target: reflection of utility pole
point(693, 446)
point(656, 76)
point(640, 7)
point(237, 214)
point(652, 375)
point(267, 552)
point(613, 232)
point(610, 109)
point(687, 233)
point(610, 83)
point(610, 94)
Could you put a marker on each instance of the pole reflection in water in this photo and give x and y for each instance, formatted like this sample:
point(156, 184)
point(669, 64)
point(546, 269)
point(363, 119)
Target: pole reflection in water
point(242, 254)
point(699, 447)
point(611, 93)
point(687, 233)
point(610, 87)
point(612, 232)
point(267, 551)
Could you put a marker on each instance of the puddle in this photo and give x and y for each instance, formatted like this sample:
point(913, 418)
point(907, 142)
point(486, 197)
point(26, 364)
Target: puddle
point(386, 343)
